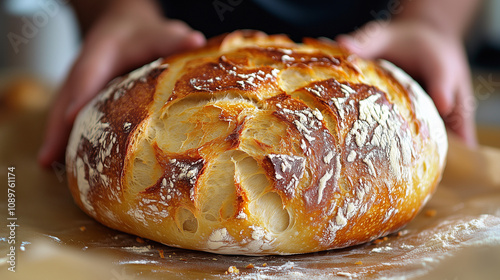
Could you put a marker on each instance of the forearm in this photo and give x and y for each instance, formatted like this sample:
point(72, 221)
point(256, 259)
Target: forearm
point(450, 17)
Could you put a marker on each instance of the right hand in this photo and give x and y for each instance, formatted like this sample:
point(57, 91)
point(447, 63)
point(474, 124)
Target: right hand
point(436, 59)
point(129, 35)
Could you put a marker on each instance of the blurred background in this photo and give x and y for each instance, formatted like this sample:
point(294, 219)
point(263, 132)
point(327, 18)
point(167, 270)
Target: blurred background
point(39, 40)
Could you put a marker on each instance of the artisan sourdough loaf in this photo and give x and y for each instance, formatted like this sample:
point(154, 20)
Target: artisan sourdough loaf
point(257, 145)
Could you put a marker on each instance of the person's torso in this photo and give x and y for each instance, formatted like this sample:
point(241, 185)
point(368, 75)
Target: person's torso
point(296, 18)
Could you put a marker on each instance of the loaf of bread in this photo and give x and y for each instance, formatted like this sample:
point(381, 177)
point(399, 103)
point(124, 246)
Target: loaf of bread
point(258, 145)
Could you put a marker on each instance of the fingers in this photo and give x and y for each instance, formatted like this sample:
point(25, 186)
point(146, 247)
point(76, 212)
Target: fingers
point(83, 81)
point(194, 40)
point(55, 134)
point(462, 123)
point(461, 119)
point(438, 71)
point(94, 68)
point(174, 36)
point(447, 80)
point(370, 41)
point(413, 53)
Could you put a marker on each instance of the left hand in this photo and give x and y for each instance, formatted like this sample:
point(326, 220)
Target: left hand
point(437, 60)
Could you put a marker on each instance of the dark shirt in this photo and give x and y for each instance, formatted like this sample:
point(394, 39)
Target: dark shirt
point(296, 18)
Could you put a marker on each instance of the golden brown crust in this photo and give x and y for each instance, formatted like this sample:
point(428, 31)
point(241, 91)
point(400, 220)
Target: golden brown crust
point(257, 145)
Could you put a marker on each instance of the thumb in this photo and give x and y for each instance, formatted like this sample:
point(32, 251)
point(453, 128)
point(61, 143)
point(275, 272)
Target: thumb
point(369, 41)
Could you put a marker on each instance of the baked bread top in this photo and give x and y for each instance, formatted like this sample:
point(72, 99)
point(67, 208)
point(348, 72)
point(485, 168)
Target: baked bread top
point(255, 145)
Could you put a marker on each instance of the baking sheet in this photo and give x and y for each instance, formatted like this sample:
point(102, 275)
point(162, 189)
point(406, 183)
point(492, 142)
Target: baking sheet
point(456, 236)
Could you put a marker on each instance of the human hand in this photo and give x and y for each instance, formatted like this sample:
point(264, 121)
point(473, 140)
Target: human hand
point(437, 60)
point(129, 35)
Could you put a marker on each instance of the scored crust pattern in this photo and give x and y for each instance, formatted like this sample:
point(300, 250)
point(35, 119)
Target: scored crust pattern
point(257, 145)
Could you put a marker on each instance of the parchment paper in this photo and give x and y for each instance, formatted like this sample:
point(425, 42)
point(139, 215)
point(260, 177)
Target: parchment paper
point(456, 236)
